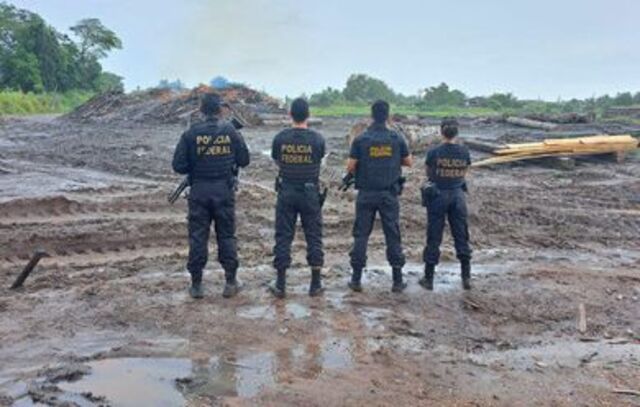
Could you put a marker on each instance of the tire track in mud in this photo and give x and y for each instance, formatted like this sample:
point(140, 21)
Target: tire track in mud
point(85, 228)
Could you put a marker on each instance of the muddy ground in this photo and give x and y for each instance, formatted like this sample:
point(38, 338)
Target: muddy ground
point(106, 320)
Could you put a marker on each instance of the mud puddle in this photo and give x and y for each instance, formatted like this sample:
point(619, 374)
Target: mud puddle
point(447, 276)
point(231, 376)
point(169, 381)
point(290, 310)
point(133, 381)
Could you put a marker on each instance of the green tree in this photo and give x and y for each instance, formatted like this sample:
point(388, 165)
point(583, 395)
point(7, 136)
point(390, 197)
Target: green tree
point(500, 101)
point(34, 57)
point(441, 95)
point(96, 40)
point(21, 72)
point(327, 97)
point(109, 82)
point(623, 99)
point(363, 88)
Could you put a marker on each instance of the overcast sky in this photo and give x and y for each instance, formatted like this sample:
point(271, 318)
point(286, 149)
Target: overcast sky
point(533, 48)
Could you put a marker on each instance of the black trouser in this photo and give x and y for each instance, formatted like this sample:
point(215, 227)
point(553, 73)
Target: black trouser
point(212, 201)
point(386, 204)
point(294, 200)
point(451, 204)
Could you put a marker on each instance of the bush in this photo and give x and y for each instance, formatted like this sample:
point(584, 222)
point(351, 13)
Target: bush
point(18, 103)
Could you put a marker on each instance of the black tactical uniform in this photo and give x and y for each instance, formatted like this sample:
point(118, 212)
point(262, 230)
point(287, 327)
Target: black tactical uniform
point(210, 153)
point(379, 153)
point(299, 153)
point(447, 165)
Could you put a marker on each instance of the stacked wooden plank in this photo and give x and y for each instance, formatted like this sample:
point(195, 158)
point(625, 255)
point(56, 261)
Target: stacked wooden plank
point(561, 147)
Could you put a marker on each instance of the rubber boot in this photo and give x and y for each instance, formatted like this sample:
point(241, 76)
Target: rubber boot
point(465, 270)
point(231, 286)
point(398, 284)
point(316, 288)
point(427, 281)
point(196, 291)
point(355, 284)
point(278, 287)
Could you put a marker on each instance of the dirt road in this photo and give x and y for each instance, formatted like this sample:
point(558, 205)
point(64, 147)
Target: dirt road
point(106, 320)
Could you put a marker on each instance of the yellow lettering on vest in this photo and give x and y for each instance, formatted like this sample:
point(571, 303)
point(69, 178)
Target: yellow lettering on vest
point(203, 140)
point(381, 151)
point(218, 150)
point(296, 159)
point(296, 149)
point(222, 139)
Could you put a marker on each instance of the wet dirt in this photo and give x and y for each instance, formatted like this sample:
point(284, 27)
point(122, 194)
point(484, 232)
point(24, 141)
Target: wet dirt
point(107, 320)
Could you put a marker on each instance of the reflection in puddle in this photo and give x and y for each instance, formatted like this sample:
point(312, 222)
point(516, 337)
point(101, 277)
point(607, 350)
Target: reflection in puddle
point(336, 353)
point(373, 318)
point(257, 312)
point(134, 381)
point(297, 311)
point(227, 376)
point(269, 312)
point(174, 381)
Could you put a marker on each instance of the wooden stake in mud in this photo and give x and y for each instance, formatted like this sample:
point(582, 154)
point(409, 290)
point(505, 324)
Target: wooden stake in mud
point(37, 255)
point(582, 318)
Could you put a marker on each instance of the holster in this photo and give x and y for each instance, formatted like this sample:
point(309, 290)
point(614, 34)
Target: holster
point(323, 196)
point(400, 184)
point(429, 192)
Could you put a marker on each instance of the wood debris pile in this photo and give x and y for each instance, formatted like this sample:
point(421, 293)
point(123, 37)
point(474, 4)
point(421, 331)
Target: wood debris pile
point(561, 147)
point(169, 106)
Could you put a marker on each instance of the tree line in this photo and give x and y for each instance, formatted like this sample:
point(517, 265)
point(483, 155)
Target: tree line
point(35, 57)
point(361, 88)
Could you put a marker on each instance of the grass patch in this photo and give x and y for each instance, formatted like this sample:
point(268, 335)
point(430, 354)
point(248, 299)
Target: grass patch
point(18, 103)
point(365, 110)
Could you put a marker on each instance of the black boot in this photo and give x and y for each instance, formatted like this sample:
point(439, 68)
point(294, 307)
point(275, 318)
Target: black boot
point(278, 288)
point(465, 269)
point(398, 284)
point(355, 284)
point(427, 280)
point(196, 291)
point(232, 286)
point(316, 287)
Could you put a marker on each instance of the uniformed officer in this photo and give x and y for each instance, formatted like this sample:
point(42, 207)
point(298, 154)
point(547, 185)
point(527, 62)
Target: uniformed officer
point(298, 151)
point(210, 152)
point(376, 159)
point(446, 167)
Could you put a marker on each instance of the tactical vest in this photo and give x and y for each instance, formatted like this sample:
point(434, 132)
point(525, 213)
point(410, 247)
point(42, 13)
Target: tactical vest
point(299, 156)
point(379, 166)
point(213, 150)
point(449, 165)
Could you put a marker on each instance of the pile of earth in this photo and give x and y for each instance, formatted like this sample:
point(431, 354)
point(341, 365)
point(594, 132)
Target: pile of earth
point(171, 106)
